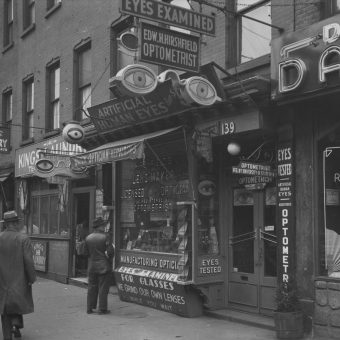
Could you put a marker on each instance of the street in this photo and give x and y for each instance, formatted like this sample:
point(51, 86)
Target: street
point(60, 314)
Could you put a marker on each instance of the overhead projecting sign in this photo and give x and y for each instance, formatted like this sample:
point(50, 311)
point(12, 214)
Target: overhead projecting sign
point(169, 14)
point(169, 48)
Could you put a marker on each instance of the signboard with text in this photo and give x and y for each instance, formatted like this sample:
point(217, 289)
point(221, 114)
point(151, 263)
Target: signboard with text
point(171, 15)
point(169, 48)
point(40, 252)
point(4, 140)
point(209, 269)
point(286, 210)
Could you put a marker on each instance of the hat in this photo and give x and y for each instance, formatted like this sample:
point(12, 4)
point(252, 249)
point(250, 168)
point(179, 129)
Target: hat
point(98, 222)
point(11, 216)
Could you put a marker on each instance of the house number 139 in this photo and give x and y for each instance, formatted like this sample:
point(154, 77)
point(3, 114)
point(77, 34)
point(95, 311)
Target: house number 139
point(228, 128)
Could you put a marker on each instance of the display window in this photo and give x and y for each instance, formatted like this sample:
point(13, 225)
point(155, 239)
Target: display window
point(156, 207)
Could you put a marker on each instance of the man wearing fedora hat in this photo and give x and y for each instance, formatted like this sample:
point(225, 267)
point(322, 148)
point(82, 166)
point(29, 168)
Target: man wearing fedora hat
point(100, 251)
point(17, 275)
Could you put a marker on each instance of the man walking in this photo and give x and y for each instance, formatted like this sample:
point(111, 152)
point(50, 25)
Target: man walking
point(100, 251)
point(17, 275)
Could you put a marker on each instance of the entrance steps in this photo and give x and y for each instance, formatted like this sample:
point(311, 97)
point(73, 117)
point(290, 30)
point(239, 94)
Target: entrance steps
point(242, 317)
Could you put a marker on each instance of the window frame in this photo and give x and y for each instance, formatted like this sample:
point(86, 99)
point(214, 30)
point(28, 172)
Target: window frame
point(28, 14)
point(28, 113)
point(239, 17)
point(8, 93)
point(52, 99)
point(52, 6)
point(8, 24)
point(79, 85)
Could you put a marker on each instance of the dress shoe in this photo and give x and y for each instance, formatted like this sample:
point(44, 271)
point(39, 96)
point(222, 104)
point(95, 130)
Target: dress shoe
point(104, 311)
point(89, 311)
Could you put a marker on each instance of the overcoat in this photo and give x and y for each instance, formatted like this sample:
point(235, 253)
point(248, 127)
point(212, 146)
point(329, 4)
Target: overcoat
point(17, 273)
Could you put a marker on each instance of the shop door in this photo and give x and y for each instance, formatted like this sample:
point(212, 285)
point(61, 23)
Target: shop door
point(252, 250)
point(83, 201)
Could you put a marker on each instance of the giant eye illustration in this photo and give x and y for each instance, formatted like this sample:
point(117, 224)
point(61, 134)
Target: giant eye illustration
point(44, 165)
point(135, 79)
point(200, 91)
point(73, 133)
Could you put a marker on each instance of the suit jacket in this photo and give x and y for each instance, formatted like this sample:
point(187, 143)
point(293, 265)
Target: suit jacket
point(17, 273)
point(99, 251)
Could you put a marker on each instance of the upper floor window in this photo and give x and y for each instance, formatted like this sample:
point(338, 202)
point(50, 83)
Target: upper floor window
point(335, 6)
point(28, 108)
point(7, 102)
point(53, 100)
point(29, 13)
point(254, 36)
point(8, 22)
point(52, 3)
point(83, 80)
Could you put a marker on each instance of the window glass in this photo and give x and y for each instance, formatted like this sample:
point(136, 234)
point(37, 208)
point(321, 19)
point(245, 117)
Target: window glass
point(85, 99)
point(8, 22)
point(52, 3)
point(255, 37)
point(54, 110)
point(29, 13)
point(85, 67)
point(8, 106)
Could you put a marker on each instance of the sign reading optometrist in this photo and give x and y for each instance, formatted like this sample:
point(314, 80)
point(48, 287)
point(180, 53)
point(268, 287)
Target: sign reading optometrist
point(169, 14)
point(169, 48)
point(306, 61)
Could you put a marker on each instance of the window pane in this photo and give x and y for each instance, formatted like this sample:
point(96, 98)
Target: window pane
point(9, 11)
point(8, 99)
point(56, 114)
point(53, 212)
point(85, 68)
point(30, 125)
point(255, 36)
point(57, 83)
point(337, 5)
point(44, 213)
point(30, 96)
point(35, 216)
point(85, 99)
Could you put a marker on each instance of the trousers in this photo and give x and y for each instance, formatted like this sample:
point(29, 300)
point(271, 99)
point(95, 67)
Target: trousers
point(8, 321)
point(97, 290)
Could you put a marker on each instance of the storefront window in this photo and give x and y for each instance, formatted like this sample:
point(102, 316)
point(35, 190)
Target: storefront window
point(154, 216)
point(331, 182)
point(47, 219)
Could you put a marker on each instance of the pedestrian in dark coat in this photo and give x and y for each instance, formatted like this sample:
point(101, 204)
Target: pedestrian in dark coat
point(100, 251)
point(17, 275)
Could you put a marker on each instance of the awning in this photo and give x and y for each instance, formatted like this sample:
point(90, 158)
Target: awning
point(129, 148)
point(4, 175)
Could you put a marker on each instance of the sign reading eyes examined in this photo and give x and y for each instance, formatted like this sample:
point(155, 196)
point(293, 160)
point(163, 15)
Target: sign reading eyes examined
point(170, 14)
point(169, 48)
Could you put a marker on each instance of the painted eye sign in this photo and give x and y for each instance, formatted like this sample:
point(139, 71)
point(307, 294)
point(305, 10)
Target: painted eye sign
point(207, 188)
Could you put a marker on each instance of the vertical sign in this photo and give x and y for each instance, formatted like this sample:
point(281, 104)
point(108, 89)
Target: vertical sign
point(4, 140)
point(286, 209)
point(40, 254)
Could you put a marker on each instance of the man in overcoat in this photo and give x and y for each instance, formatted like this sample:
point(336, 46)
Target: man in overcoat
point(17, 275)
point(100, 251)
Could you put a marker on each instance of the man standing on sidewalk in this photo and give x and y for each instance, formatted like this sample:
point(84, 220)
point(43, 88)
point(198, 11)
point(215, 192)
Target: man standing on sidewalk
point(100, 251)
point(17, 275)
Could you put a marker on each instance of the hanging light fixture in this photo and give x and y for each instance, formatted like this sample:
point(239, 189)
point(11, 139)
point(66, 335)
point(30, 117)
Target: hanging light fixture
point(234, 148)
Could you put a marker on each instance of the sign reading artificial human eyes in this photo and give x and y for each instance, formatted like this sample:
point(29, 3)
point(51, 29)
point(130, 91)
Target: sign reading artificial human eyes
point(306, 61)
point(169, 14)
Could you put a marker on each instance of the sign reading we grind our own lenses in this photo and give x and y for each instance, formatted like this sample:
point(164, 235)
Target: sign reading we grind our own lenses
point(169, 14)
point(169, 48)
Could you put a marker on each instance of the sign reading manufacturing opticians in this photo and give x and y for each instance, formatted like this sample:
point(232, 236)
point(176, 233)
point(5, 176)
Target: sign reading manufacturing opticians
point(169, 48)
point(170, 14)
point(306, 61)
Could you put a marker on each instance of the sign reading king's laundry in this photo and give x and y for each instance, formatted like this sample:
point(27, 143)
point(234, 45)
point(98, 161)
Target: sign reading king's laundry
point(4, 140)
point(169, 14)
point(169, 48)
point(26, 158)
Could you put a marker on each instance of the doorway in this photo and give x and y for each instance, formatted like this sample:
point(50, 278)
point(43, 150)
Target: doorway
point(83, 201)
point(252, 250)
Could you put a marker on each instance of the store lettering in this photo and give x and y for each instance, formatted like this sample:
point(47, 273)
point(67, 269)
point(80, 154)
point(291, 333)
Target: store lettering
point(337, 177)
point(210, 266)
point(331, 33)
point(156, 283)
point(3, 143)
point(285, 245)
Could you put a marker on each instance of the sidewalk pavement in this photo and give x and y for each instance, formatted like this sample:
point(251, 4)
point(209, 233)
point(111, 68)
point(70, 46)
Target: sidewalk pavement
point(60, 314)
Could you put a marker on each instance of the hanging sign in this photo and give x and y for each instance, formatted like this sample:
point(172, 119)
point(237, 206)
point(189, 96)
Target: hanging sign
point(286, 210)
point(169, 48)
point(4, 140)
point(40, 254)
point(169, 14)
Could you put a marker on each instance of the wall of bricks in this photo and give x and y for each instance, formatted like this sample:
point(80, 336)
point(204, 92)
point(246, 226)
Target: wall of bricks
point(327, 309)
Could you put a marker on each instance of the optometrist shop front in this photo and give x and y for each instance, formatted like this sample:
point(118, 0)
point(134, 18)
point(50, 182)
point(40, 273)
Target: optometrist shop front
point(168, 178)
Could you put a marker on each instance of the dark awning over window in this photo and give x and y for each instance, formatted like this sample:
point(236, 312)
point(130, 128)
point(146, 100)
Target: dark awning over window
point(130, 148)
